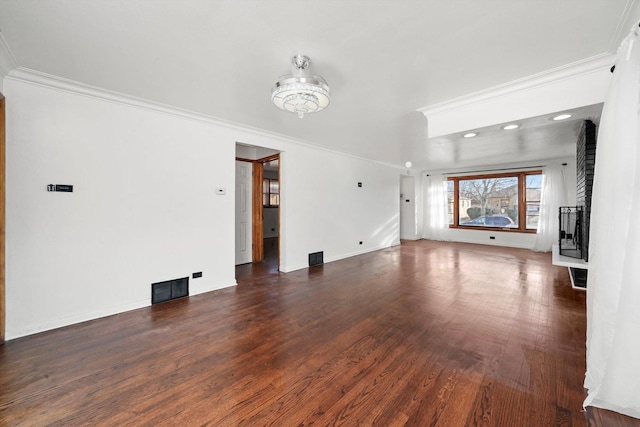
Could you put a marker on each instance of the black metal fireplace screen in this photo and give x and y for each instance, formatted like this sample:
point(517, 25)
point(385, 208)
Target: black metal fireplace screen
point(571, 223)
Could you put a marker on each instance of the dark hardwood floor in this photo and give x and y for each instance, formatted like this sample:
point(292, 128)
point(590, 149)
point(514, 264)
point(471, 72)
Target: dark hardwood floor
point(262, 272)
point(423, 334)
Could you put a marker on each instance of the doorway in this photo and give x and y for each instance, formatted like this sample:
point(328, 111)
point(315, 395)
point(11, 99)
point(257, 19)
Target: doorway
point(264, 221)
point(244, 213)
point(271, 213)
point(407, 208)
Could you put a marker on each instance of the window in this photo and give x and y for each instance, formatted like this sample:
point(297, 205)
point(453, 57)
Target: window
point(270, 193)
point(451, 204)
point(509, 201)
point(534, 190)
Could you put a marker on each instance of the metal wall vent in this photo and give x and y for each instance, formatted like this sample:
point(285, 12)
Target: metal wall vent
point(171, 289)
point(316, 258)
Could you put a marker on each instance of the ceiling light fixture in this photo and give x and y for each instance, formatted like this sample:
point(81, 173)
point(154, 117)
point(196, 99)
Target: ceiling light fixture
point(510, 127)
point(470, 135)
point(561, 117)
point(408, 165)
point(301, 92)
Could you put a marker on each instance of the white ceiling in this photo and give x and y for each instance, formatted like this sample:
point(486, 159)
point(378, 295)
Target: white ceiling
point(538, 139)
point(383, 60)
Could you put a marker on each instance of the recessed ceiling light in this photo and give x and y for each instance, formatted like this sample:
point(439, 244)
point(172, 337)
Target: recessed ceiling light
point(470, 135)
point(408, 165)
point(562, 117)
point(510, 127)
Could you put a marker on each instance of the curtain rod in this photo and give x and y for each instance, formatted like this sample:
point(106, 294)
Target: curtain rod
point(496, 170)
point(499, 170)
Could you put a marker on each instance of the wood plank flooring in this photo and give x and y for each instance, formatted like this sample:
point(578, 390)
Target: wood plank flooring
point(424, 334)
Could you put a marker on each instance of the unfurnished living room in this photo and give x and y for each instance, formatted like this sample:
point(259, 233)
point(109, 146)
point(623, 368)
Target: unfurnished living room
point(307, 212)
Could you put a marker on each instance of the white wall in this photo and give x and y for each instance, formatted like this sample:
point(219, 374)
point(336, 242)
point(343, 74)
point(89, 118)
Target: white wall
point(514, 240)
point(270, 222)
point(144, 207)
point(321, 211)
point(570, 181)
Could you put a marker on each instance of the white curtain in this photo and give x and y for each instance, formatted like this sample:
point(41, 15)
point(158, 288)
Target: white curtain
point(436, 216)
point(554, 195)
point(613, 285)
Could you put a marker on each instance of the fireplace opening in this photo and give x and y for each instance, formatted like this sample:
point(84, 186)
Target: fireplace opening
point(570, 239)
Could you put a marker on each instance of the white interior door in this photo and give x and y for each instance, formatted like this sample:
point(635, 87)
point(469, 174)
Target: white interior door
point(407, 208)
point(244, 172)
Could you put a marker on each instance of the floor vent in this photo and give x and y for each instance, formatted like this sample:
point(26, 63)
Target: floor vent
point(316, 258)
point(171, 289)
point(578, 277)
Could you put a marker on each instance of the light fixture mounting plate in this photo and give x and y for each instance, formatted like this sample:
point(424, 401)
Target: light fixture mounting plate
point(301, 62)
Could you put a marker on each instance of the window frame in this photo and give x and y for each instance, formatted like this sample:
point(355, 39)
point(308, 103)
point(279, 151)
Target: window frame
point(522, 201)
point(269, 193)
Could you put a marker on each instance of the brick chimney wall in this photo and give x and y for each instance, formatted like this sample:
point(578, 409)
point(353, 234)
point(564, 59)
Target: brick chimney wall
point(586, 162)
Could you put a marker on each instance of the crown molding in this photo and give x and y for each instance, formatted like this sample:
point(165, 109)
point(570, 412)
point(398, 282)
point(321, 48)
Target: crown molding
point(500, 167)
point(571, 86)
point(7, 60)
point(546, 78)
point(38, 78)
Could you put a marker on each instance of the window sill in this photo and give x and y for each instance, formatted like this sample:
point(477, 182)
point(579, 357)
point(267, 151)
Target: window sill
point(504, 230)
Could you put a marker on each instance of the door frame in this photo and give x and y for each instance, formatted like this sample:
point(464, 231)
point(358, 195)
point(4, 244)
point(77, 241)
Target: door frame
point(258, 220)
point(257, 233)
point(2, 217)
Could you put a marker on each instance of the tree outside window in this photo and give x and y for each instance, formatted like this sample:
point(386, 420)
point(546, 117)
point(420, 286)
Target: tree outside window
point(487, 197)
point(495, 201)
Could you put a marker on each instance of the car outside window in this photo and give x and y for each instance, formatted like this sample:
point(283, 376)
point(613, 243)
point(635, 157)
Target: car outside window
point(509, 201)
